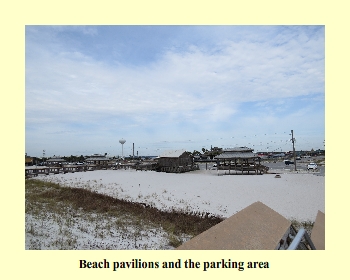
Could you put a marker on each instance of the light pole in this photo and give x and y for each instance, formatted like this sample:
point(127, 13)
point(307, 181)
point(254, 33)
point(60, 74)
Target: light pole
point(295, 162)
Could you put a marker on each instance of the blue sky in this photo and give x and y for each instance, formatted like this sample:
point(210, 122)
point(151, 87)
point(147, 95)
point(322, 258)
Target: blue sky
point(172, 87)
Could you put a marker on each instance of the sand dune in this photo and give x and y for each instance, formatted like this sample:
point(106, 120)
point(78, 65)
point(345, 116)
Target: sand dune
point(295, 196)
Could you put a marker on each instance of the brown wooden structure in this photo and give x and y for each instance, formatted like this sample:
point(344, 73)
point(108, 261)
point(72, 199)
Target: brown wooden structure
point(55, 161)
point(256, 227)
point(147, 166)
point(34, 171)
point(240, 160)
point(318, 231)
point(100, 161)
point(175, 161)
point(29, 161)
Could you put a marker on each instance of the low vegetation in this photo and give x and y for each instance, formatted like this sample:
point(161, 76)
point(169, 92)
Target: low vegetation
point(307, 225)
point(75, 218)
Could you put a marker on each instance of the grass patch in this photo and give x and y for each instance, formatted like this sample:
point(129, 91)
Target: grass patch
point(46, 200)
point(174, 241)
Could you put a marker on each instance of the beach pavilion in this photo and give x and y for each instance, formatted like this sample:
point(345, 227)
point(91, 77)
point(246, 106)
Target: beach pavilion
point(175, 161)
point(241, 160)
point(97, 159)
point(56, 161)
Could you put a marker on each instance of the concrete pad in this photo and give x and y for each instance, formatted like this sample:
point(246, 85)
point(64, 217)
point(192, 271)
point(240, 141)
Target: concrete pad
point(256, 227)
point(318, 231)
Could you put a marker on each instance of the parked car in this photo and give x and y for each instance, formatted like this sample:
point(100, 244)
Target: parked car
point(312, 166)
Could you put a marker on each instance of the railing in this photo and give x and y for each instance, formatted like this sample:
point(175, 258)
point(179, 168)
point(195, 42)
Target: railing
point(298, 240)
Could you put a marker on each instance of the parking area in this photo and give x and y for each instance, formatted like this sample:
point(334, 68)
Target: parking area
point(300, 166)
point(280, 166)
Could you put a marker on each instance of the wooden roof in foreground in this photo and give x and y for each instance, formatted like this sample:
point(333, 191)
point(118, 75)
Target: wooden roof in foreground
point(256, 227)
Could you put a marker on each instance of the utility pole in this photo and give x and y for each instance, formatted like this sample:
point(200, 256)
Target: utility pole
point(295, 161)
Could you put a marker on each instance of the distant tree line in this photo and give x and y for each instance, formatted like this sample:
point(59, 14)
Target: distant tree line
point(72, 158)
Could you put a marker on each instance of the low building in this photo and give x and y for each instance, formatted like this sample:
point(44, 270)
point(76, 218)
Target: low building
point(55, 161)
point(97, 159)
point(175, 161)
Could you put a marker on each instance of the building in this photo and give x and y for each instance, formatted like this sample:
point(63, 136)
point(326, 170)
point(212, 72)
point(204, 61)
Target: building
point(175, 161)
point(97, 159)
point(28, 161)
point(54, 161)
point(240, 160)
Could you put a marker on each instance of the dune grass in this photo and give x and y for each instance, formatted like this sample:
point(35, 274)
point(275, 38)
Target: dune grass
point(104, 222)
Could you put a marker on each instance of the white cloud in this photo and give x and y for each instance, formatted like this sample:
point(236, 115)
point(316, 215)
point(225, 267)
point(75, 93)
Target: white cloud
point(66, 84)
point(242, 72)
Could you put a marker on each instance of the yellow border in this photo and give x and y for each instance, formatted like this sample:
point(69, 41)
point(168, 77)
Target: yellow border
point(56, 264)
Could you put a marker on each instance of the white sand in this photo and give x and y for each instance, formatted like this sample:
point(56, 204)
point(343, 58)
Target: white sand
point(295, 196)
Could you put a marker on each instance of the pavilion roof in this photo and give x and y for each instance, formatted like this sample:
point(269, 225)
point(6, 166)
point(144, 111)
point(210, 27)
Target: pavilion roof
point(238, 149)
point(234, 155)
point(96, 158)
point(172, 153)
point(56, 160)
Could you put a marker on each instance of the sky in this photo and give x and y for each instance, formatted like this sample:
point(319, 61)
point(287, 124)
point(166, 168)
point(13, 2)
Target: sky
point(173, 87)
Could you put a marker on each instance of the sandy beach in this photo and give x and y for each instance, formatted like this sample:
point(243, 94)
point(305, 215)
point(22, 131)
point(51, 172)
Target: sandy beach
point(294, 196)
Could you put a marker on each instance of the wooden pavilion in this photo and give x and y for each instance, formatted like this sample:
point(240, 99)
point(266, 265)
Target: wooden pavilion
point(55, 161)
point(98, 160)
point(240, 160)
point(175, 161)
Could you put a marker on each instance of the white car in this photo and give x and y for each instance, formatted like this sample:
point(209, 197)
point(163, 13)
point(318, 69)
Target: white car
point(312, 166)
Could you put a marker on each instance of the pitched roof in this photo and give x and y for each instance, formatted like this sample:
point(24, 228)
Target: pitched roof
point(236, 155)
point(97, 158)
point(256, 227)
point(172, 153)
point(56, 160)
point(238, 149)
point(238, 152)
